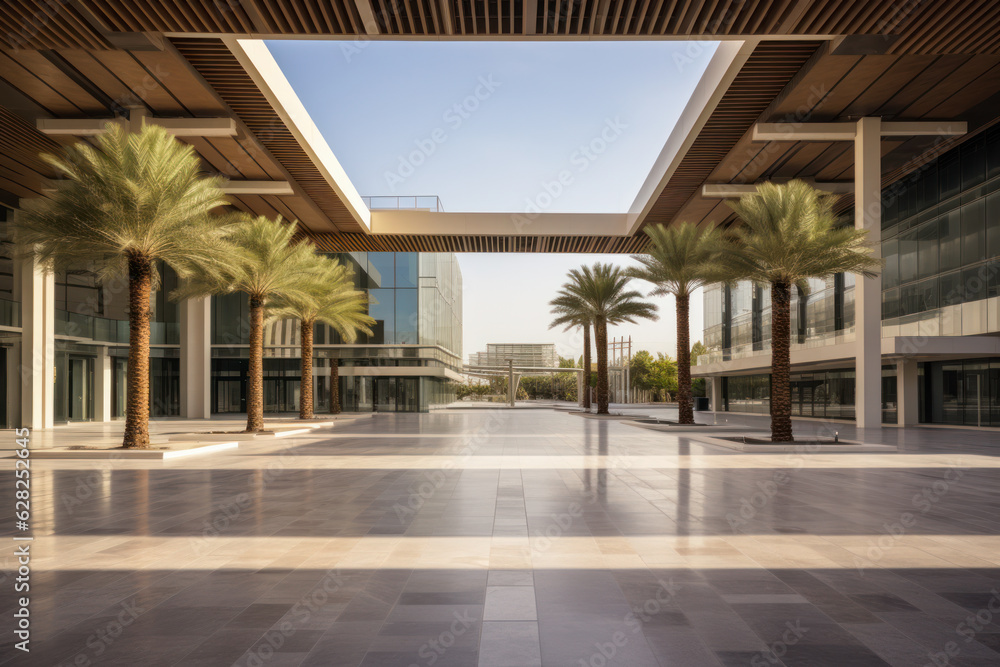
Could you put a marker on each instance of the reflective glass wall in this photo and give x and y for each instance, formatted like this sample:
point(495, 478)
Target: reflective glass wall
point(941, 243)
point(416, 301)
point(822, 394)
point(960, 392)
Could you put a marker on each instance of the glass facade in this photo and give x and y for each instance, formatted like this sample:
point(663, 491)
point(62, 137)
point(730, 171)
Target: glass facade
point(941, 243)
point(960, 392)
point(738, 317)
point(416, 301)
point(822, 394)
point(941, 246)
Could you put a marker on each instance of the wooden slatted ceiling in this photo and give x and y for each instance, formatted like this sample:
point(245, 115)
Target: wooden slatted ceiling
point(213, 60)
point(352, 242)
point(46, 24)
point(928, 26)
point(22, 170)
point(767, 71)
point(841, 88)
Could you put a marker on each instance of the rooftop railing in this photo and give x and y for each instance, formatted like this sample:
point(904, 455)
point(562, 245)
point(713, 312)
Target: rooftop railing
point(412, 203)
point(757, 349)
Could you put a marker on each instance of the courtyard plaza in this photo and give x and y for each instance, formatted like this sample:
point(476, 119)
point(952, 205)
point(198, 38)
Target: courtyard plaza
point(515, 537)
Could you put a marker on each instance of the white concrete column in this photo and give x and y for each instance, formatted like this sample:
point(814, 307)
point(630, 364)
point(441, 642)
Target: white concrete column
point(868, 291)
point(13, 379)
point(196, 358)
point(907, 393)
point(579, 389)
point(37, 363)
point(715, 392)
point(102, 386)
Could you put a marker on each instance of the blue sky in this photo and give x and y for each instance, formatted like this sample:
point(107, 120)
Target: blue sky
point(485, 126)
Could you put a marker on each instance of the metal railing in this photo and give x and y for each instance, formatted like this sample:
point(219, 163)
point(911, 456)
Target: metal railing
point(757, 349)
point(10, 313)
point(414, 203)
point(88, 327)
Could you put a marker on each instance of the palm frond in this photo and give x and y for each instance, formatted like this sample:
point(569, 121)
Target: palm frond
point(790, 233)
point(131, 195)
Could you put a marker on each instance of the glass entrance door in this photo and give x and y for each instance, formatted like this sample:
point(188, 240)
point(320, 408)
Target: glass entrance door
point(73, 381)
point(230, 396)
point(977, 404)
point(281, 394)
point(385, 394)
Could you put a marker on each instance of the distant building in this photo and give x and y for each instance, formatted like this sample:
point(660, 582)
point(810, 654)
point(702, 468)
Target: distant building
point(536, 355)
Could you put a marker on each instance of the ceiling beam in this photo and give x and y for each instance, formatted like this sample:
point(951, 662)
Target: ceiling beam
point(281, 188)
point(367, 15)
point(846, 131)
point(447, 22)
point(230, 187)
point(179, 127)
point(529, 17)
point(737, 190)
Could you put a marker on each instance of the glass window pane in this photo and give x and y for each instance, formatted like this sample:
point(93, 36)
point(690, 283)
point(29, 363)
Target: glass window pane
point(973, 162)
point(973, 232)
point(950, 175)
point(993, 225)
point(890, 273)
point(951, 288)
point(974, 282)
point(927, 240)
point(951, 240)
point(908, 257)
point(380, 269)
point(993, 277)
point(406, 316)
point(890, 304)
point(406, 269)
point(928, 290)
point(993, 153)
point(382, 308)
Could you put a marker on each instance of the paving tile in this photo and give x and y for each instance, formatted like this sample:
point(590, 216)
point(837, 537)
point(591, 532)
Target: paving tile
point(322, 557)
point(510, 603)
point(509, 644)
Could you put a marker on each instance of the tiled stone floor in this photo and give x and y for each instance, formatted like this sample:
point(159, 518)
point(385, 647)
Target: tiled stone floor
point(518, 538)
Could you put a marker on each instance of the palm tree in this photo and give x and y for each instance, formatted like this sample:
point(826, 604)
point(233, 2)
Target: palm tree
point(678, 260)
point(329, 297)
point(572, 312)
point(263, 263)
point(604, 290)
point(126, 203)
point(790, 234)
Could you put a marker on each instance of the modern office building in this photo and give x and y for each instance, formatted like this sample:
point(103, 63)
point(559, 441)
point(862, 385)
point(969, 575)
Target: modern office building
point(199, 349)
point(940, 309)
point(536, 355)
point(891, 105)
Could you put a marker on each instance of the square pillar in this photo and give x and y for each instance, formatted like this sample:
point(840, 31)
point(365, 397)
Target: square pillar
point(37, 363)
point(196, 358)
point(715, 392)
point(907, 393)
point(102, 386)
point(868, 291)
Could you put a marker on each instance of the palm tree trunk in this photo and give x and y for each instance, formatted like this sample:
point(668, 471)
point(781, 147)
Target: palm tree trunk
point(601, 333)
point(255, 380)
point(684, 405)
point(586, 366)
point(781, 394)
point(140, 282)
point(334, 386)
point(306, 381)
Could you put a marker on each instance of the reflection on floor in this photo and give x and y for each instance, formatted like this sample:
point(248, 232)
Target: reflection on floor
point(518, 537)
